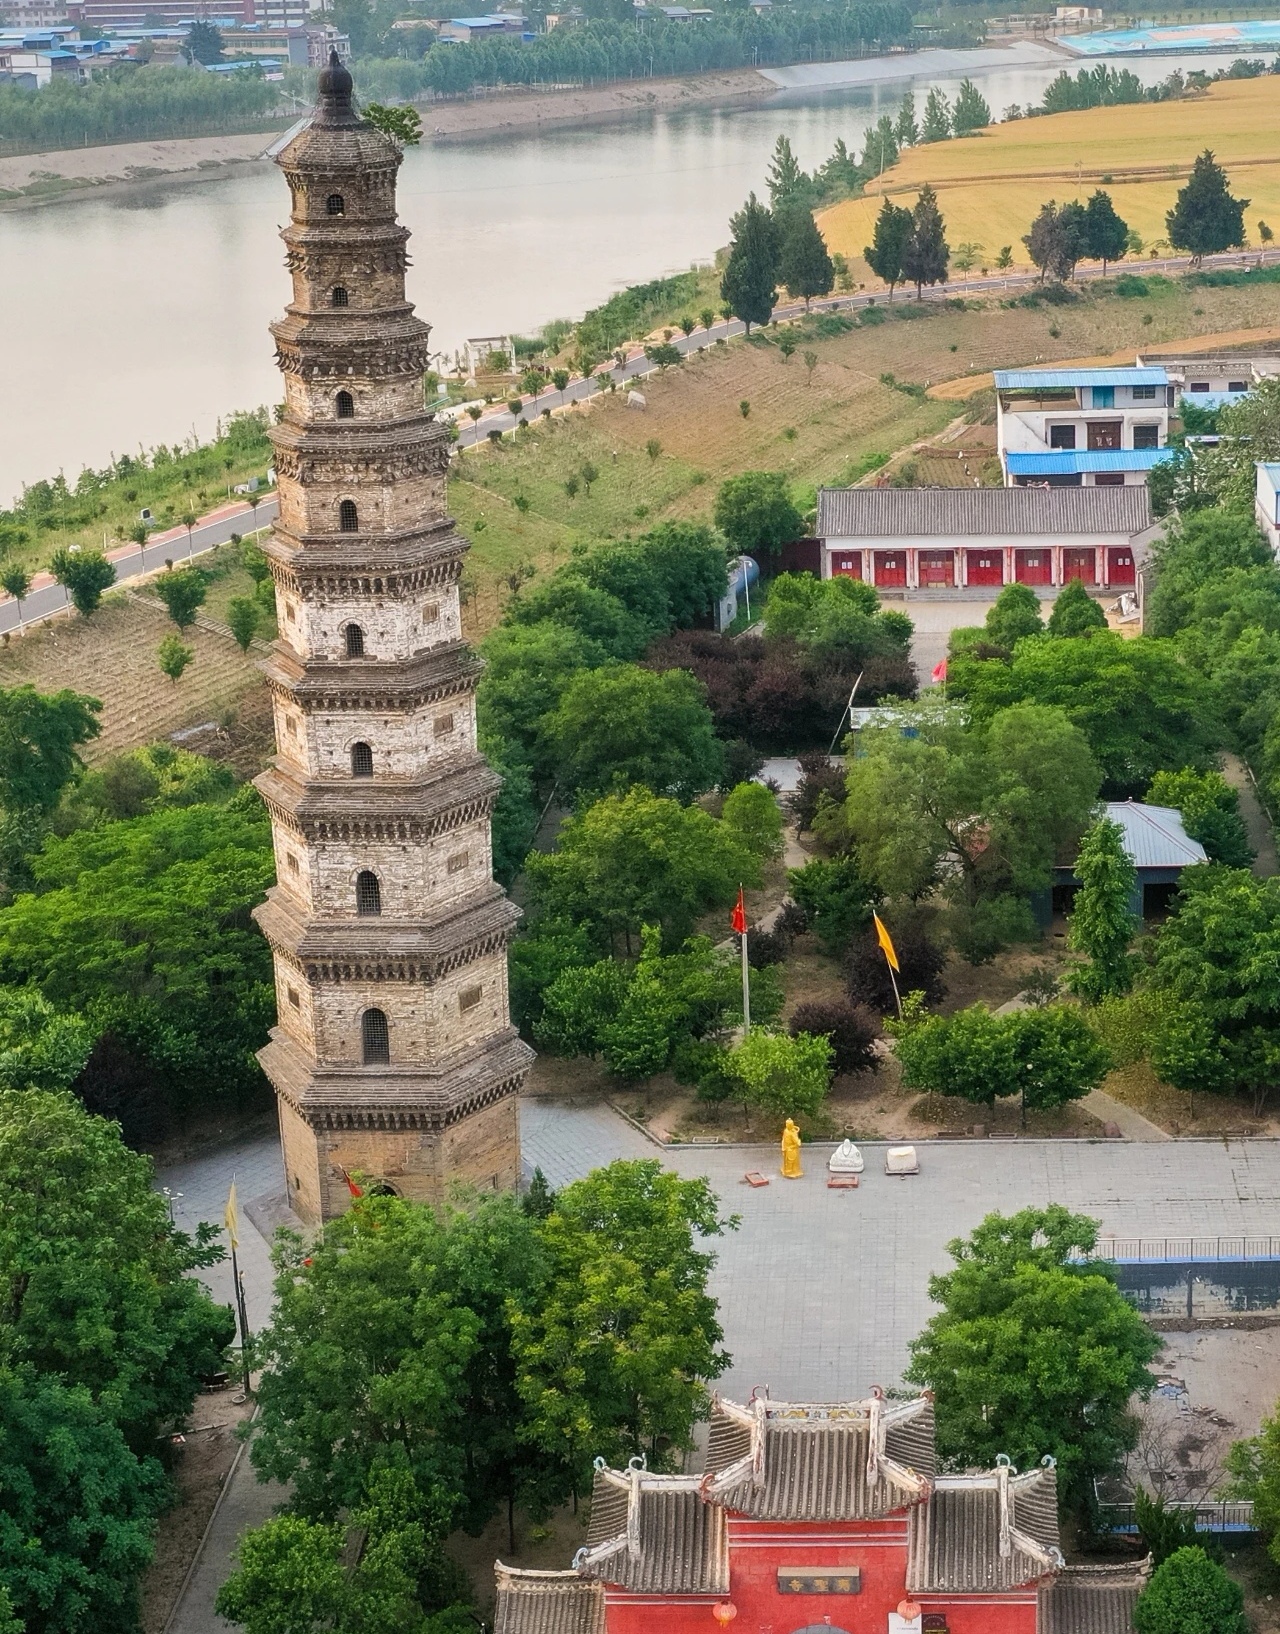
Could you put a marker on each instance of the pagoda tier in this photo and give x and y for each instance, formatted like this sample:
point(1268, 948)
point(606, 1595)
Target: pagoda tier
point(394, 1060)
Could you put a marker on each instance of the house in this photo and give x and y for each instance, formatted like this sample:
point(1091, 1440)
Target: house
point(821, 1516)
point(569, 18)
point(933, 539)
point(478, 354)
point(465, 29)
point(1071, 428)
point(1210, 382)
point(1267, 503)
point(299, 47)
point(55, 54)
point(1158, 846)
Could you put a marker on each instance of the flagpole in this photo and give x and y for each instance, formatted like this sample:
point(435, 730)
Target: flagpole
point(896, 999)
point(746, 988)
point(244, 1321)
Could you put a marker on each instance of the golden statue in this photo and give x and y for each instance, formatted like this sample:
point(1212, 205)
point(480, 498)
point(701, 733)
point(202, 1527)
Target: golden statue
point(791, 1169)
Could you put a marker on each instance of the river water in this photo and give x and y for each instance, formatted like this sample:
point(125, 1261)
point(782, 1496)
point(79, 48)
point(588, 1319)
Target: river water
point(137, 319)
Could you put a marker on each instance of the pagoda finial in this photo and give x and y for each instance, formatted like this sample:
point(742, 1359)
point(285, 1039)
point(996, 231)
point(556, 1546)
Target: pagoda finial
point(333, 94)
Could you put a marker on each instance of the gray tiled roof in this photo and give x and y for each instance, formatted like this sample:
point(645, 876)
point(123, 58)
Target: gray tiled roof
point(1092, 1599)
point(953, 513)
point(547, 1603)
point(812, 1463)
point(990, 1531)
point(654, 1534)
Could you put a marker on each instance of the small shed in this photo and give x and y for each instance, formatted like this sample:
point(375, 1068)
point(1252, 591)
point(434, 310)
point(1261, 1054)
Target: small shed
point(1160, 849)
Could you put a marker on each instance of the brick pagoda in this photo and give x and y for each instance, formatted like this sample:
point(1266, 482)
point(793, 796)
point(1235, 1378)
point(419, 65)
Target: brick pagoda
point(393, 1057)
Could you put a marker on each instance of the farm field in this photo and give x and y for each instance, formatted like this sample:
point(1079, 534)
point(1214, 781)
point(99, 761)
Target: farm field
point(991, 185)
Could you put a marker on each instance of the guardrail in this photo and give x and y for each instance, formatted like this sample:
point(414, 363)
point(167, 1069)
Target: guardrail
point(1234, 1516)
point(1185, 1250)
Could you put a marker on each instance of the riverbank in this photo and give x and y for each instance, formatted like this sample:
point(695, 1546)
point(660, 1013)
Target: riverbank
point(44, 178)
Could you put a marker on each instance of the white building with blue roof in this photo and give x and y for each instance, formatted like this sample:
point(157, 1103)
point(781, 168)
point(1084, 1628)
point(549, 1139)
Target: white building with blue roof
point(1081, 428)
point(1267, 502)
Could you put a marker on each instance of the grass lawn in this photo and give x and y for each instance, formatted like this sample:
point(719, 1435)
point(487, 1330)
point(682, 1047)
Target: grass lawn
point(991, 185)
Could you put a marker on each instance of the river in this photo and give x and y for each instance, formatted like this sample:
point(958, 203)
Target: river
point(140, 318)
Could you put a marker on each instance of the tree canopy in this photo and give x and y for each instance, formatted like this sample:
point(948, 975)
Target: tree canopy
point(887, 250)
point(40, 734)
point(756, 513)
point(1205, 217)
point(1190, 1594)
point(926, 254)
point(1034, 1351)
point(749, 285)
point(1102, 921)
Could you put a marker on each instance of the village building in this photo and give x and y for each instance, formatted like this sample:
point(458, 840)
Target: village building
point(909, 539)
point(1267, 502)
point(822, 1519)
point(1157, 844)
point(1065, 428)
point(1213, 382)
point(393, 1057)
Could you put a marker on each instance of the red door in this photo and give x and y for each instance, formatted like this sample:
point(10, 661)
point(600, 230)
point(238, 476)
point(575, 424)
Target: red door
point(1079, 564)
point(1033, 566)
point(891, 569)
point(937, 569)
point(985, 566)
point(1120, 568)
point(846, 564)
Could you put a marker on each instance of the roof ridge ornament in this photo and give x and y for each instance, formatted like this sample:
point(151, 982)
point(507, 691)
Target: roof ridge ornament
point(334, 86)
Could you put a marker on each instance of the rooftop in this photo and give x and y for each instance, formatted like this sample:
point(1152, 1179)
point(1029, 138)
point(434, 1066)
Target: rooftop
point(1154, 836)
point(1070, 379)
point(948, 513)
point(1070, 462)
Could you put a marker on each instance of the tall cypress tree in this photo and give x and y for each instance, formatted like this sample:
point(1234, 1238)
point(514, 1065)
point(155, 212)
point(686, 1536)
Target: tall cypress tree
point(884, 255)
point(803, 263)
point(1205, 218)
point(971, 112)
point(906, 129)
point(749, 285)
point(937, 117)
point(927, 253)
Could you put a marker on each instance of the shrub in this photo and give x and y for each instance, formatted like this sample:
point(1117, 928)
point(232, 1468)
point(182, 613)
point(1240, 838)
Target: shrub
point(850, 1029)
point(819, 778)
point(836, 899)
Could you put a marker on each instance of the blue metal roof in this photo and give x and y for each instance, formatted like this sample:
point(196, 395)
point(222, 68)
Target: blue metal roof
point(1049, 379)
point(1065, 462)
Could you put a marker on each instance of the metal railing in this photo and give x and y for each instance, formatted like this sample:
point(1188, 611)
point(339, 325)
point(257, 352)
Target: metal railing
point(1234, 1515)
point(1186, 1250)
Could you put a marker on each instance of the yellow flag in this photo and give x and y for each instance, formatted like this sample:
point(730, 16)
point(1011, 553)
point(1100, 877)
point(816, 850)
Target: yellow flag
point(886, 944)
point(231, 1219)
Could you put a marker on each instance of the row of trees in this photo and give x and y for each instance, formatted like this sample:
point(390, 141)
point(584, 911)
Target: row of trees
point(910, 246)
point(131, 104)
point(767, 247)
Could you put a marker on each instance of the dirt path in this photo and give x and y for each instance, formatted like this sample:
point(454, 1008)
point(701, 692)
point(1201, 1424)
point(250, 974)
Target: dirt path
point(1257, 825)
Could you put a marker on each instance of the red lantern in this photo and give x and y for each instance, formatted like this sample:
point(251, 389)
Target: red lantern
point(908, 1610)
point(724, 1612)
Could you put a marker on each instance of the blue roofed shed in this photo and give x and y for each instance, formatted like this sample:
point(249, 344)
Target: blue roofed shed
point(1159, 847)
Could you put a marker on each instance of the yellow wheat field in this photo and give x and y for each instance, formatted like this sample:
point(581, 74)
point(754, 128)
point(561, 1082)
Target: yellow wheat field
point(990, 186)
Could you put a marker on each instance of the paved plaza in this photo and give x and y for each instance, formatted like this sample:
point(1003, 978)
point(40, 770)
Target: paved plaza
point(821, 1291)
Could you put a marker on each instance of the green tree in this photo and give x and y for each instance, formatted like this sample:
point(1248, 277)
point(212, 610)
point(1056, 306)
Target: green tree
point(785, 1075)
point(40, 733)
point(971, 112)
point(83, 1230)
point(788, 184)
point(1057, 240)
point(528, 668)
point(1218, 960)
point(1106, 234)
point(1139, 707)
point(1190, 1594)
point(1102, 920)
point(937, 117)
point(615, 1358)
point(403, 125)
point(173, 656)
point(203, 43)
point(40, 1049)
point(884, 255)
point(639, 859)
point(1197, 551)
point(1205, 218)
point(15, 581)
point(1075, 612)
point(84, 575)
point(881, 150)
point(1034, 1351)
point(751, 812)
point(1210, 810)
point(969, 1055)
point(836, 897)
point(749, 285)
point(690, 563)
point(663, 355)
point(1058, 1056)
point(1016, 614)
point(77, 1508)
point(183, 594)
point(756, 513)
point(1163, 1530)
point(619, 726)
point(242, 620)
point(905, 128)
point(925, 256)
point(803, 263)
point(144, 925)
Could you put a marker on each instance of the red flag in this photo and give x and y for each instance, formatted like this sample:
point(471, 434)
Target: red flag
point(940, 673)
point(356, 1191)
point(739, 920)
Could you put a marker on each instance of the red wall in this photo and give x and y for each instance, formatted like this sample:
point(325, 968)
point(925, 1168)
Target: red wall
point(983, 1613)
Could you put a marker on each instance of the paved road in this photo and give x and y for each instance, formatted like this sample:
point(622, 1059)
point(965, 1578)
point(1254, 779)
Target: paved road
point(47, 597)
point(638, 365)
